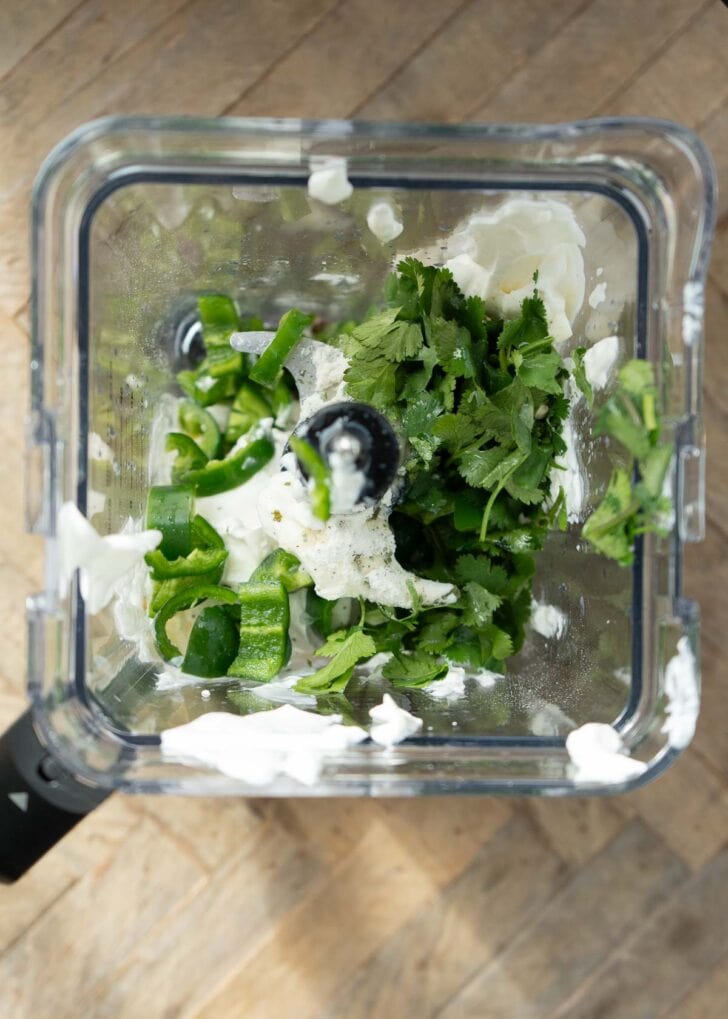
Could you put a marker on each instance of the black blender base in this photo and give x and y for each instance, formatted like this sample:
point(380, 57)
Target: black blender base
point(39, 800)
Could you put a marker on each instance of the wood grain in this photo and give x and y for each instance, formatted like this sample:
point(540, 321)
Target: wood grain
point(345, 909)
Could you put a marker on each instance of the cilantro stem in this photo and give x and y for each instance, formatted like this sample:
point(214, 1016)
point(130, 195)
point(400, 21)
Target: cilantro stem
point(494, 495)
point(615, 521)
point(547, 341)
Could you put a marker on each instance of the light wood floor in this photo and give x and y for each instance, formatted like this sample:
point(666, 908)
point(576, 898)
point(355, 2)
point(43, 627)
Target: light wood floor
point(163, 908)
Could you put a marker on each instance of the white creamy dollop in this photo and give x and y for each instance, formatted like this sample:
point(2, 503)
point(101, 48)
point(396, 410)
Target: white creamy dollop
point(683, 696)
point(383, 222)
point(131, 616)
point(548, 720)
point(349, 555)
point(234, 515)
point(598, 295)
point(599, 757)
point(328, 182)
point(103, 562)
point(599, 361)
point(548, 620)
point(494, 255)
point(392, 724)
point(450, 688)
point(259, 748)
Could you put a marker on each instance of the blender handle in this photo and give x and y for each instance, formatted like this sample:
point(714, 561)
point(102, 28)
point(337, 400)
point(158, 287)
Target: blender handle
point(40, 801)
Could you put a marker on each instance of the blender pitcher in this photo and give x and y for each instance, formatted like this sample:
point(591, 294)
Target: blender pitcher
point(133, 218)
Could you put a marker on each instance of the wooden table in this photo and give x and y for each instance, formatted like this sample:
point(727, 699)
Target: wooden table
point(165, 908)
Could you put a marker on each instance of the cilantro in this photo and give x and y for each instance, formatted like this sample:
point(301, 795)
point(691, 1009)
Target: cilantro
point(627, 510)
point(371, 380)
point(345, 649)
point(580, 375)
point(421, 414)
point(529, 327)
point(414, 668)
point(542, 371)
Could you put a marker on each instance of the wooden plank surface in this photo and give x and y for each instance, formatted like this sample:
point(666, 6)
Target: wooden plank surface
point(176, 909)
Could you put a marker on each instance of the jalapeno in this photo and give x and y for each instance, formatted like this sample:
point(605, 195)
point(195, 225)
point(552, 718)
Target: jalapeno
point(249, 407)
point(169, 510)
point(205, 537)
point(213, 643)
point(264, 620)
point(204, 389)
point(185, 600)
point(267, 369)
point(219, 318)
point(222, 475)
point(285, 567)
point(199, 562)
point(204, 534)
point(200, 426)
point(319, 474)
point(189, 455)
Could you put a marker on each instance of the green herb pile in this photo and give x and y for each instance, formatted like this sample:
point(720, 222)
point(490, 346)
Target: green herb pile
point(479, 405)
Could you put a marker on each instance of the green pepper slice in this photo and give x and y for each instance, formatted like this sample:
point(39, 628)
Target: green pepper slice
point(200, 425)
point(213, 643)
point(219, 318)
point(189, 455)
point(169, 510)
point(222, 475)
point(198, 563)
point(285, 567)
point(319, 474)
point(267, 369)
point(204, 389)
point(185, 600)
point(264, 621)
point(204, 534)
point(249, 407)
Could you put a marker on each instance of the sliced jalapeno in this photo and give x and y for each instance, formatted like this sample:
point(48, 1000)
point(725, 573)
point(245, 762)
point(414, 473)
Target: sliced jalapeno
point(201, 426)
point(169, 510)
point(222, 475)
point(249, 406)
point(189, 455)
point(213, 643)
point(185, 600)
point(285, 567)
point(319, 474)
point(199, 562)
point(264, 621)
point(267, 369)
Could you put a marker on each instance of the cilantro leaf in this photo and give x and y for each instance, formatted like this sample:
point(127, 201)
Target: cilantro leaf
point(637, 378)
point(654, 468)
point(542, 371)
point(481, 570)
point(607, 529)
point(420, 414)
point(436, 633)
point(485, 468)
point(580, 375)
point(482, 603)
point(453, 346)
point(413, 668)
point(529, 327)
point(524, 483)
point(345, 649)
point(371, 380)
